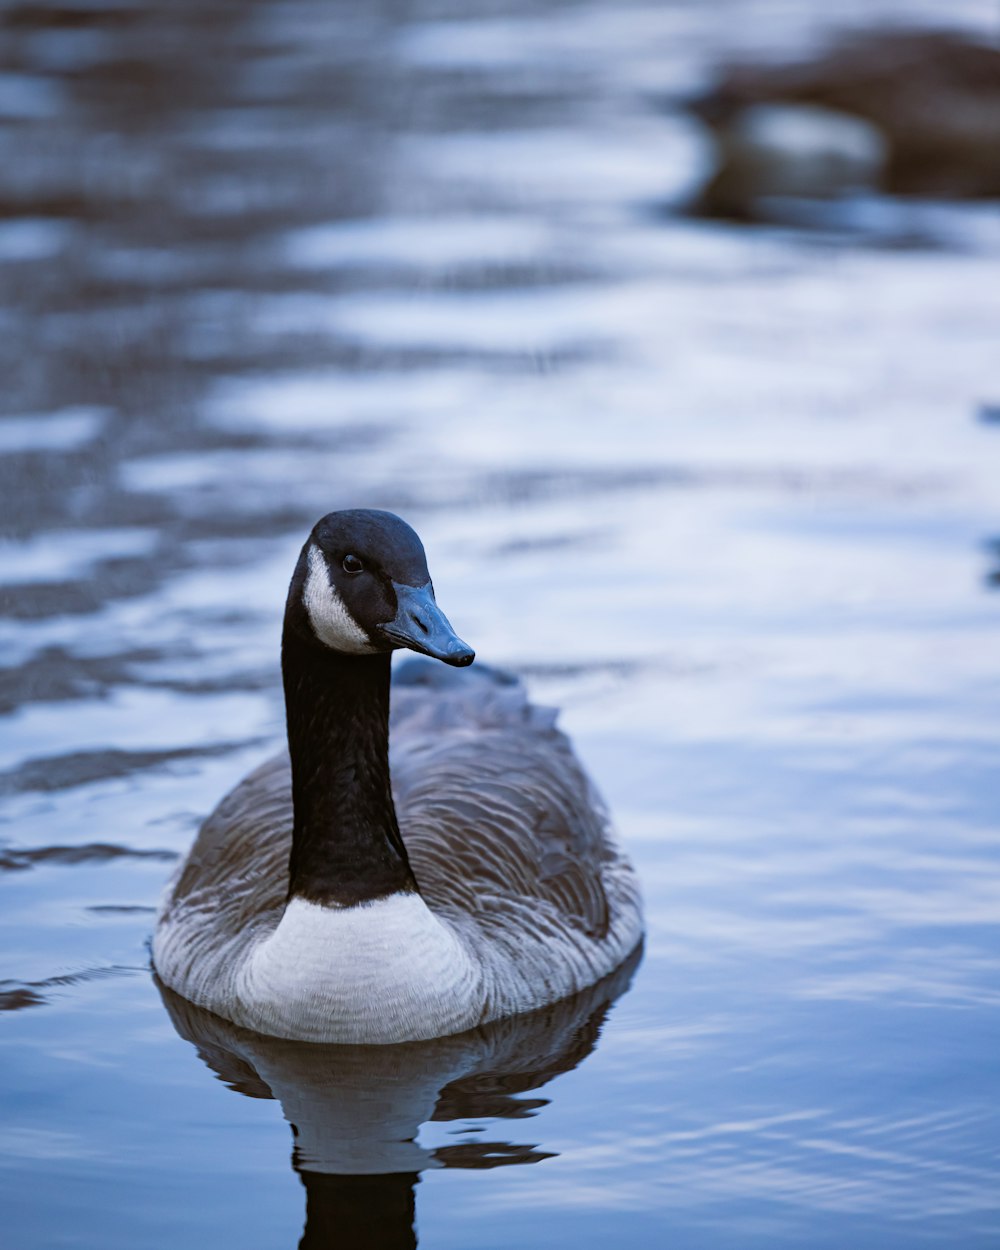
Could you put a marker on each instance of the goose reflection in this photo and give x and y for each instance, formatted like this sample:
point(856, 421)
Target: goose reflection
point(355, 1111)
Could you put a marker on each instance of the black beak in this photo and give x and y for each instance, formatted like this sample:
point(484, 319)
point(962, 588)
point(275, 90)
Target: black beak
point(422, 626)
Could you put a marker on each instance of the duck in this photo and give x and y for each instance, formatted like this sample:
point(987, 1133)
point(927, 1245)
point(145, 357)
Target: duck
point(367, 889)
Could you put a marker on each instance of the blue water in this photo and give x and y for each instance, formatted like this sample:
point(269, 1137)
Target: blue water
point(721, 494)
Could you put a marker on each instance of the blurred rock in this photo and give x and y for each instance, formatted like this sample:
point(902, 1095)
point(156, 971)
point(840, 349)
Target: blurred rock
point(793, 150)
point(911, 113)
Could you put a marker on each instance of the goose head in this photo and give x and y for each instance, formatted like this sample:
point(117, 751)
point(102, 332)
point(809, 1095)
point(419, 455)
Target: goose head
point(361, 586)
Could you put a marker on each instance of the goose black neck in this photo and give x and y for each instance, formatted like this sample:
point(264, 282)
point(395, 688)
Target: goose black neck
point(346, 846)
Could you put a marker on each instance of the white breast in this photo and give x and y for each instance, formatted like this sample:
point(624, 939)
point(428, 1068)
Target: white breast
point(384, 971)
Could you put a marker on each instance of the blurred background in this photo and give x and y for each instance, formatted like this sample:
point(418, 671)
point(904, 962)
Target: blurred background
point(674, 329)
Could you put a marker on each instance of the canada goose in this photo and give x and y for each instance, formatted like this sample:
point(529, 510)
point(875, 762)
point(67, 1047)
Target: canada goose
point(305, 910)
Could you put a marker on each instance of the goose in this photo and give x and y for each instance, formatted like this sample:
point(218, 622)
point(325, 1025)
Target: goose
point(327, 900)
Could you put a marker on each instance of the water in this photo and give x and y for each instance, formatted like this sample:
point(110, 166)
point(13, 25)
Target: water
point(722, 495)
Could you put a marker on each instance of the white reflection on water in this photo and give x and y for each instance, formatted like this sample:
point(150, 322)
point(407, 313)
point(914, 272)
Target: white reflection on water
point(437, 243)
point(50, 431)
point(65, 554)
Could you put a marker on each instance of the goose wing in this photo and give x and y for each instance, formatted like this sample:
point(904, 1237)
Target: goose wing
point(493, 804)
point(236, 873)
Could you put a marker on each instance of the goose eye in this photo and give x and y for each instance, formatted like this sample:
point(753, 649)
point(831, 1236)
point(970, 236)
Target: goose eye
point(352, 564)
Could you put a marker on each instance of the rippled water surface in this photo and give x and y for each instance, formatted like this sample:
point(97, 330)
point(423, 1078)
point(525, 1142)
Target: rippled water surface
point(729, 497)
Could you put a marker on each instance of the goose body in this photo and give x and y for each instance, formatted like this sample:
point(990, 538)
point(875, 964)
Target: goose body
point(329, 898)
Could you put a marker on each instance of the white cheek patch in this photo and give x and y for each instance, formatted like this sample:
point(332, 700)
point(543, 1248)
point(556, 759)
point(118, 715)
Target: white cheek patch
point(328, 614)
